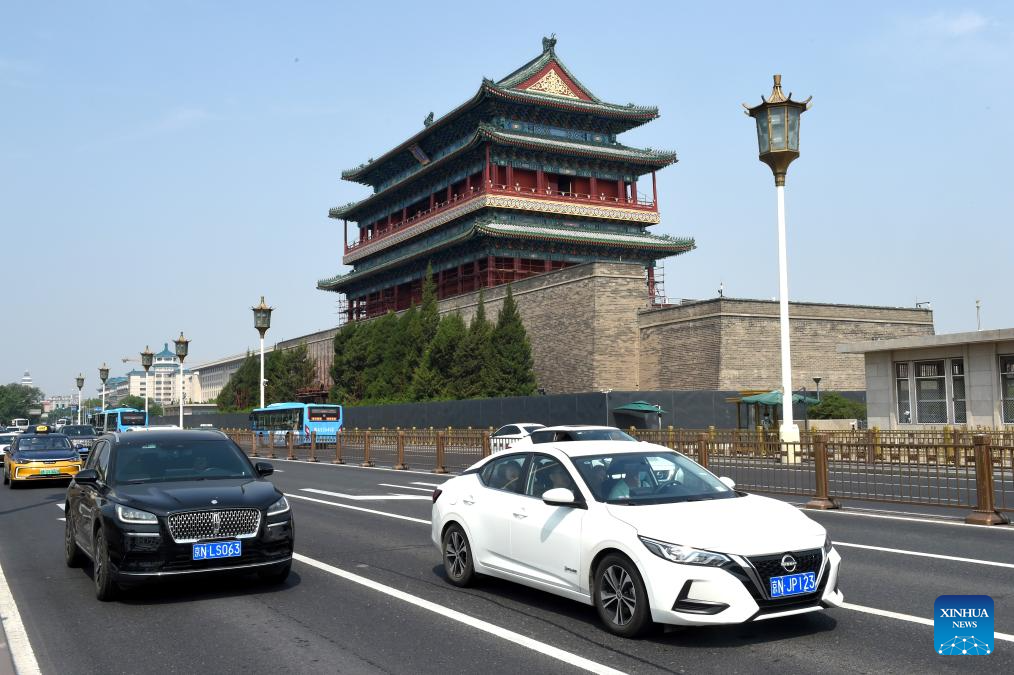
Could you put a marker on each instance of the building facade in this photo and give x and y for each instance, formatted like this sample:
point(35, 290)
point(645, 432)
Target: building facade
point(958, 379)
point(525, 178)
point(162, 384)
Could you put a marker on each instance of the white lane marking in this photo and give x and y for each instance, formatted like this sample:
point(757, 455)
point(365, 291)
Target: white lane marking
point(347, 466)
point(360, 508)
point(494, 630)
point(61, 506)
point(842, 512)
point(926, 555)
point(365, 498)
point(405, 487)
point(416, 482)
point(908, 617)
point(17, 637)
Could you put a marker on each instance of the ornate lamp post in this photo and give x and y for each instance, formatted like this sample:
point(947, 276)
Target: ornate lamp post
point(146, 360)
point(104, 375)
point(262, 321)
point(80, 385)
point(816, 381)
point(182, 347)
point(778, 142)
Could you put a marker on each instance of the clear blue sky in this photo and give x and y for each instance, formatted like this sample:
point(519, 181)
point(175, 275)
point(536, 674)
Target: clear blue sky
point(165, 164)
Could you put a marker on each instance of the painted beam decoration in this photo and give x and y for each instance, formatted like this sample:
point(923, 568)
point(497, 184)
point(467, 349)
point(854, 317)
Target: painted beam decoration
point(526, 177)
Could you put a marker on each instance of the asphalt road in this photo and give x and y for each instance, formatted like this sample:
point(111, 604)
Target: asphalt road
point(367, 595)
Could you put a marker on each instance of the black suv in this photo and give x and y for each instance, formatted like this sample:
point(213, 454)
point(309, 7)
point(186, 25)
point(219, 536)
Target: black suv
point(81, 435)
point(157, 504)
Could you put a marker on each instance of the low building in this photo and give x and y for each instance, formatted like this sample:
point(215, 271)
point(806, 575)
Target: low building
point(212, 376)
point(964, 379)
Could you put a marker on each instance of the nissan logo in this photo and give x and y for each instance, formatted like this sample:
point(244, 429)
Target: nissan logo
point(788, 563)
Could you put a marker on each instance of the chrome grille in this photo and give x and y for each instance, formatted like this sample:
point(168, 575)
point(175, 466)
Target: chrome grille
point(191, 526)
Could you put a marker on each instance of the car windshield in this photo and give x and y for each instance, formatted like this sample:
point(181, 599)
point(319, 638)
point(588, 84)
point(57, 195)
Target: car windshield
point(566, 435)
point(82, 430)
point(529, 428)
point(649, 478)
point(144, 461)
point(44, 447)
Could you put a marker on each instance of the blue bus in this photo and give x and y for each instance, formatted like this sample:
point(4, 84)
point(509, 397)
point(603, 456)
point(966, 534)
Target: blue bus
point(301, 419)
point(117, 419)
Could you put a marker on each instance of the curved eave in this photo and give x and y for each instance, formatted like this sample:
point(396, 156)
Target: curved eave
point(610, 110)
point(671, 245)
point(654, 160)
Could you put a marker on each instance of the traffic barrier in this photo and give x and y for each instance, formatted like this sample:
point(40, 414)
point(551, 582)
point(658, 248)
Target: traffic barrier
point(985, 512)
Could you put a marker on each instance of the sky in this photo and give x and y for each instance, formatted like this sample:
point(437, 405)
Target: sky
point(163, 165)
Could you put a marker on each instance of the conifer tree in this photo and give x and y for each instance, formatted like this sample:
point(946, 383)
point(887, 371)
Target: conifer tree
point(241, 391)
point(471, 373)
point(511, 366)
point(379, 372)
point(429, 316)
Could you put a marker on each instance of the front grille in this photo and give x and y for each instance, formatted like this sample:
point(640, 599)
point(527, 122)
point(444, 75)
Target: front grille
point(768, 566)
point(194, 526)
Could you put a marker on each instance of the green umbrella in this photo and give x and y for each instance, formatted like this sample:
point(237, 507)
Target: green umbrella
point(774, 397)
point(641, 407)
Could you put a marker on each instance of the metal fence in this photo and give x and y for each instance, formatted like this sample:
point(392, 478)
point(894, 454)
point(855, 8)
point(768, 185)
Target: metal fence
point(953, 469)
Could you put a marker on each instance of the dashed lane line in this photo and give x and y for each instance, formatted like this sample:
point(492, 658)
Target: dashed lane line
point(405, 487)
point(921, 554)
point(435, 485)
point(1006, 637)
point(484, 626)
point(366, 498)
point(359, 508)
point(843, 512)
point(346, 466)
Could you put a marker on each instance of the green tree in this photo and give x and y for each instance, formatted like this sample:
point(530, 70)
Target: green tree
point(241, 392)
point(16, 399)
point(434, 375)
point(287, 372)
point(379, 373)
point(131, 401)
point(471, 372)
point(834, 406)
point(511, 365)
point(429, 315)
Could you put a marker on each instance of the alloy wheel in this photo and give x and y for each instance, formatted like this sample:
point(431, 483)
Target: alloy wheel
point(456, 553)
point(618, 597)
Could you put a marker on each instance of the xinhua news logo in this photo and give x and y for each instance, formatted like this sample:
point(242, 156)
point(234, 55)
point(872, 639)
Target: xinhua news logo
point(963, 625)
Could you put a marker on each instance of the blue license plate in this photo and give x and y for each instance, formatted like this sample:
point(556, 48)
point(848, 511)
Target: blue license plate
point(218, 549)
point(793, 584)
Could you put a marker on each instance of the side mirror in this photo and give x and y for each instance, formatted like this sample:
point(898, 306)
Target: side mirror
point(87, 477)
point(264, 469)
point(728, 482)
point(559, 497)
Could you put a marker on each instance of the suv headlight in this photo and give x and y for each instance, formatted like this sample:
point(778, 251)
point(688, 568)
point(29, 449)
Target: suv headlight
point(684, 555)
point(135, 516)
point(279, 507)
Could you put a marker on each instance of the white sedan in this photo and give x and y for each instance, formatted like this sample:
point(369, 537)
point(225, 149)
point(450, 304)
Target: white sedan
point(641, 532)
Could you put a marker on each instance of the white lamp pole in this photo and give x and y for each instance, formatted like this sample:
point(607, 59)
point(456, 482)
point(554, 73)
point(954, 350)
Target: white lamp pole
point(182, 347)
point(778, 141)
point(80, 384)
point(146, 360)
point(262, 321)
point(104, 375)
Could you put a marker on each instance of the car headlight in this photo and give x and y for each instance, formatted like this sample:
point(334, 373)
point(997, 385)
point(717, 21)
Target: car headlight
point(135, 516)
point(684, 555)
point(279, 507)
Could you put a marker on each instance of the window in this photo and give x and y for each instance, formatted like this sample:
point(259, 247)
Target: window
point(509, 430)
point(958, 391)
point(1007, 388)
point(930, 393)
point(504, 473)
point(547, 473)
point(904, 399)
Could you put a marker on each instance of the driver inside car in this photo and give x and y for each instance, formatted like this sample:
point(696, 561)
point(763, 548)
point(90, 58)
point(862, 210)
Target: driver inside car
point(621, 489)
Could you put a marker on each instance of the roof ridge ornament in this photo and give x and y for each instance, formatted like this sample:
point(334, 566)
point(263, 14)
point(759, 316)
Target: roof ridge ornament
point(548, 43)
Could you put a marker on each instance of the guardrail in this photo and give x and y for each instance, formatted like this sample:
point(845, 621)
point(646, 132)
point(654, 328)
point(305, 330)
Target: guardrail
point(972, 471)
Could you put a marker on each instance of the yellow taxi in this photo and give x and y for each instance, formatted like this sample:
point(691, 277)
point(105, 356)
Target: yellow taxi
point(40, 455)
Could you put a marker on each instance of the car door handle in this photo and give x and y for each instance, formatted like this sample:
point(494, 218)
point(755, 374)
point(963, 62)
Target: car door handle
point(468, 501)
point(520, 515)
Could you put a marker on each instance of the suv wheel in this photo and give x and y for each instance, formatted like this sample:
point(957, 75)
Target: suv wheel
point(620, 597)
point(105, 587)
point(458, 557)
point(71, 553)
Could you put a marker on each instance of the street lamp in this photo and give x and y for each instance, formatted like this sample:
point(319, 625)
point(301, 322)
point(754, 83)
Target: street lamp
point(80, 385)
point(816, 381)
point(606, 392)
point(262, 321)
point(778, 141)
point(104, 375)
point(182, 346)
point(146, 360)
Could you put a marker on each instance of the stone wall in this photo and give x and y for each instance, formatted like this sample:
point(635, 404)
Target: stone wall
point(727, 343)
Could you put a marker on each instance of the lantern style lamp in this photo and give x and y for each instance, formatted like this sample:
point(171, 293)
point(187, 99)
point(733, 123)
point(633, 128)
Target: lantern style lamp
point(104, 375)
point(777, 120)
point(262, 321)
point(146, 360)
point(182, 347)
point(80, 385)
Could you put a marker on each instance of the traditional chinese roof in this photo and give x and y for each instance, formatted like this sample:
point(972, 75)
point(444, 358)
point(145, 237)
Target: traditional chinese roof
point(648, 158)
point(543, 81)
point(655, 244)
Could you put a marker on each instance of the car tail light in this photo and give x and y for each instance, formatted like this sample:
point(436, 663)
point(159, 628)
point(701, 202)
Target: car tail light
point(436, 494)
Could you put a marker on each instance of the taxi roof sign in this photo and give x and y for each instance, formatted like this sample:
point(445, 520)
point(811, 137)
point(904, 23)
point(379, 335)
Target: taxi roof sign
point(41, 428)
